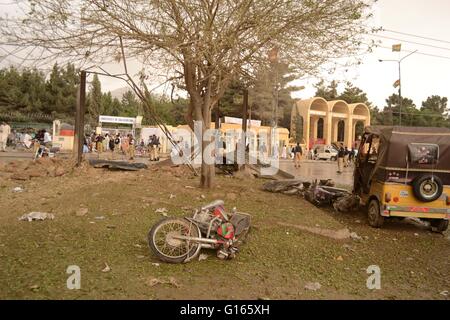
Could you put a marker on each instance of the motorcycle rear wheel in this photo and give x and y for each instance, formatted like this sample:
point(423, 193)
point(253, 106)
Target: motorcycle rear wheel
point(168, 249)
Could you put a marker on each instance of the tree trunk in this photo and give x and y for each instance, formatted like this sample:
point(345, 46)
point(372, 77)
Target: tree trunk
point(208, 171)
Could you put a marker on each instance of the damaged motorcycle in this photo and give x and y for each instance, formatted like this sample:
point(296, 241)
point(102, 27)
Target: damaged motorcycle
point(179, 240)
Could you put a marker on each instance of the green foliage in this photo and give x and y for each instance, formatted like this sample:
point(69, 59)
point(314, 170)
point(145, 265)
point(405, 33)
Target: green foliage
point(433, 112)
point(27, 95)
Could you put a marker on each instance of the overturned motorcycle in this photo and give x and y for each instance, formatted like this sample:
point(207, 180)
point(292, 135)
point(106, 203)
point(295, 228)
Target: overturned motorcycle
point(177, 240)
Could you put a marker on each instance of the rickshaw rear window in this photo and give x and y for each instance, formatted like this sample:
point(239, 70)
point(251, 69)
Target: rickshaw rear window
point(422, 153)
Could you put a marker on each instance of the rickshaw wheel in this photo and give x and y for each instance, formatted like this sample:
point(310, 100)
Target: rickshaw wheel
point(439, 225)
point(374, 216)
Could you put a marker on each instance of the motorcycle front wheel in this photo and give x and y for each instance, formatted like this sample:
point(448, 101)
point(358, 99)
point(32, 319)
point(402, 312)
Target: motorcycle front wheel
point(169, 249)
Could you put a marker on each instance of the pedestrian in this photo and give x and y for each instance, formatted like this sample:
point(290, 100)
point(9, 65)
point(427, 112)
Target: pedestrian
point(341, 155)
point(298, 153)
point(5, 130)
point(262, 152)
point(27, 140)
point(125, 145)
point(99, 143)
point(352, 156)
point(93, 141)
point(154, 148)
point(106, 142)
point(117, 143)
point(131, 146)
point(111, 145)
point(346, 157)
point(284, 153)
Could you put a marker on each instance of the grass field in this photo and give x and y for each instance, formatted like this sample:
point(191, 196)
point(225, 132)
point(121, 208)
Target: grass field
point(276, 263)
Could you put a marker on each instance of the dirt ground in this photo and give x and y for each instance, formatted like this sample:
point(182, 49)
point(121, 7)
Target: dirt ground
point(276, 263)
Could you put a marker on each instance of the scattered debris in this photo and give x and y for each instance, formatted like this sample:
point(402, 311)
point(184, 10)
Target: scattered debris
point(162, 211)
point(172, 196)
point(341, 234)
point(106, 268)
point(340, 258)
point(137, 245)
point(347, 203)
point(202, 196)
point(294, 186)
point(444, 293)
point(140, 256)
point(313, 286)
point(416, 234)
point(189, 187)
point(100, 218)
point(117, 165)
point(34, 287)
point(170, 280)
point(348, 247)
point(354, 236)
point(155, 264)
point(18, 189)
point(246, 172)
point(37, 216)
point(82, 212)
point(202, 257)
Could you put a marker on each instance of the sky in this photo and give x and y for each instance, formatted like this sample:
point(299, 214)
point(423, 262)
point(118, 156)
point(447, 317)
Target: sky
point(422, 75)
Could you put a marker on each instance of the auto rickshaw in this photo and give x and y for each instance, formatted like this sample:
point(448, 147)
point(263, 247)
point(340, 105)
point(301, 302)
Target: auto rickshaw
point(404, 172)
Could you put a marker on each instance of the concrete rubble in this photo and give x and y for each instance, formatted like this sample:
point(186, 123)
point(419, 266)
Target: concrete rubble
point(42, 167)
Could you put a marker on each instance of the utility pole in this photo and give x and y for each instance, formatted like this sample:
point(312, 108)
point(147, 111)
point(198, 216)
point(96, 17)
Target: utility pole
point(79, 119)
point(400, 100)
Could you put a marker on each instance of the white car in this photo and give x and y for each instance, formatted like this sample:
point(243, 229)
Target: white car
point(325, 152)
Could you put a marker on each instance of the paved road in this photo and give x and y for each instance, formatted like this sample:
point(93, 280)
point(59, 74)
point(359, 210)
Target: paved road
point(318, 170)
point(309, 169)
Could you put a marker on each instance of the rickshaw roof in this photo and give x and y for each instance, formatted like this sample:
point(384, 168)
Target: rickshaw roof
point(394, 142)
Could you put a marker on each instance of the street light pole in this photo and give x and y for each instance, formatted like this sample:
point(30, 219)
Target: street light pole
point(400, 100)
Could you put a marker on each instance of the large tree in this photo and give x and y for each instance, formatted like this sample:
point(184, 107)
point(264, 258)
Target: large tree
point(205, 43)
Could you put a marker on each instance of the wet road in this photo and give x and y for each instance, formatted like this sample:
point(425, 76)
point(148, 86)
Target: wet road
point(318, 170)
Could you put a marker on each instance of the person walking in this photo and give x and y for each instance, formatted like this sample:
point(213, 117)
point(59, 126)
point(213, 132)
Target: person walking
point(346, 157)
point(154, 148)
point(298, 153)
point(111, 146)
point(106, 142)
point(351, 157)
point(262, 152)
point(284, 153)
point(117, 143)
point(5, 130)
point(131, 147)
point(99, 143)
point(341, 156)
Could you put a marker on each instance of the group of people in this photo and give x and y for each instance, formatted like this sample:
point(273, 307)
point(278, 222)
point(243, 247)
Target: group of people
point(345, 158)
point(119, 144)
point(26, 138)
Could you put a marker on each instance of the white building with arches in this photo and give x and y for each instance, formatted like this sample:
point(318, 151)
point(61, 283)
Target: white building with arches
point(324, 122)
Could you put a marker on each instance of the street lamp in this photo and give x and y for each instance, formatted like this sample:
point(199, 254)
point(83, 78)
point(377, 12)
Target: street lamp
point(399, 79)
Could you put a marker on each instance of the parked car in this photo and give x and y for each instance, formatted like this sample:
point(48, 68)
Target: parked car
point(325, 152)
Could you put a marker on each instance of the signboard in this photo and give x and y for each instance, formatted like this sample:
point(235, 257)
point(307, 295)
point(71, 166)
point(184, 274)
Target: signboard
point(254, 123)
point(123, 120)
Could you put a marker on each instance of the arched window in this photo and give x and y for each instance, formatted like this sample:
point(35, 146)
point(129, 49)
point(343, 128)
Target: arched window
point(341, 131)
point(320, 128)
